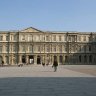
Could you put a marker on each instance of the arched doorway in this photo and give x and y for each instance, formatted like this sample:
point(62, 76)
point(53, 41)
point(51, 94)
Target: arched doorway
point(23, 59)
point(90, 59)
point(85, 59)
point(31, 59)
point(61, 59)
point(66, 59)
point(38, 60)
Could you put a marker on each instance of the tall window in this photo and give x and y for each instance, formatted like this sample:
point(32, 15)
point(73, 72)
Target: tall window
point(89, 47)
point(31, 48)
point(48, 48)
point(80, 58)
point(1, 37)
point(65, 48)
point(23, 48)
point(90, 59)
point(7, 49)
point(15, 37)
point(66, 59)
point(30, 37)
point(14, 48)
point(0, 48)
point(84, 48)
point(79, 38)
point(84, 38)
point(54, 38)
point(38, 48)
point(23, 37)
point(85, 59)
point(60, 48)
point(80, 48)
point(7, 38)
point(54, 48)
point(61, 59)
point(69, 38)
point(74, 38)
point(60, 38)
point(47, 38)
point(65, 38)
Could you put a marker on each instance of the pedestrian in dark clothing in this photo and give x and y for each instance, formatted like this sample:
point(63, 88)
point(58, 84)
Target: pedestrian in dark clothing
point(43, 64)
point(2, 63)
point(55, 65)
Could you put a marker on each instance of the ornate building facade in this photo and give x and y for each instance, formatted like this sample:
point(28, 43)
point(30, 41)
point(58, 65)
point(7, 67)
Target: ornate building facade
point(33, 46)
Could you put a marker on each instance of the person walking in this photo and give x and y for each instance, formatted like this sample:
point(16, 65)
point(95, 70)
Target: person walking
point(55, 65)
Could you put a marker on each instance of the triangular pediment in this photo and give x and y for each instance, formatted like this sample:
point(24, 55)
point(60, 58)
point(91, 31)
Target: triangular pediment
point(30, 29)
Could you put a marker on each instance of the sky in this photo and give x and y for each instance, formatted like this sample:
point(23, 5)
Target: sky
point(48, 15)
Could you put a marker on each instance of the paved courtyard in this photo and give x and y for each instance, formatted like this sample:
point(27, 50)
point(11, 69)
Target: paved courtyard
point(69, 80)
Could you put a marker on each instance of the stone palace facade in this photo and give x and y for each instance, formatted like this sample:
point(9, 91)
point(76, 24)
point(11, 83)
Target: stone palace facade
point(33, 46)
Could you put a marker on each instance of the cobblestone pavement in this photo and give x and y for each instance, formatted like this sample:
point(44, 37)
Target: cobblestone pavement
point(42, 81)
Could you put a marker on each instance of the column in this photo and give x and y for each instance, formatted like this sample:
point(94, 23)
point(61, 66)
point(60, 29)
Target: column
point(20, 58)
point(58, 59)
point(27, 60)
point(35, 59)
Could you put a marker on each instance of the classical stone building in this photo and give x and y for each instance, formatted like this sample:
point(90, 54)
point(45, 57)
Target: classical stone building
point(33, 46)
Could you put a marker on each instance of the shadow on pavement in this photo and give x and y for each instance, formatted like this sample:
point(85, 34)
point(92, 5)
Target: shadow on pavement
point(48, 86)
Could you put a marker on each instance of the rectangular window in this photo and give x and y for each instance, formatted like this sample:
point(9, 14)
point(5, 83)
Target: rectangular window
point(0, 49)
point(79, 38)
point(47, 38)
point(15, 37)
point(7, 49)
point(80, 48)
point(65, 38)
point(84, 38)
point(30, 37)
point(23, 48)
point(48, 48)
point(23, 37)
point(54, 38)
point(31, 48)
point(69, 38)
point(14, 48)
point(60, 39)
point(38, 48)
point(1, 38)
point(54, 48)
point(89, 47)
point(7, 38)
point(65, 48)
point(60, 49)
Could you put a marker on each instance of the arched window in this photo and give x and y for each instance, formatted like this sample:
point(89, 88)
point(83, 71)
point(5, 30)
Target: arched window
point(90, 59)
point(61, 59)
point(85, 59)
point(89, 47)
point(80, 58)
point(66, 59)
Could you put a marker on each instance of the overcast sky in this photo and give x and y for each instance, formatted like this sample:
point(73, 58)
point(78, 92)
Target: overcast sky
point(48, 15)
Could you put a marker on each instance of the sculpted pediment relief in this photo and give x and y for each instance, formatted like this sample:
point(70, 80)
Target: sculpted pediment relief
point(30, 29)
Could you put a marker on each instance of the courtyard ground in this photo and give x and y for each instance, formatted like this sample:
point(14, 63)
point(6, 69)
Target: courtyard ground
point(33, 80)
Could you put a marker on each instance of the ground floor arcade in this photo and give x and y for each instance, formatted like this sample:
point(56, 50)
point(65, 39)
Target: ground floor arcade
point(13, 59)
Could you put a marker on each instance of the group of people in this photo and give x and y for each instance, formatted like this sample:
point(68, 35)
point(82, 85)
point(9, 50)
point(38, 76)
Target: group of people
point(55, 65)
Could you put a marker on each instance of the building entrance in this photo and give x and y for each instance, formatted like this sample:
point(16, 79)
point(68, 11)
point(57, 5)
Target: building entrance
point(31, 59)
point(23, 59)
point(38, 60)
